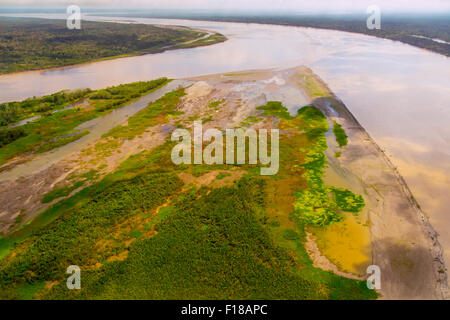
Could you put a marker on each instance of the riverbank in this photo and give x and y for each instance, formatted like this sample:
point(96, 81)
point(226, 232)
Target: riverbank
point(404, 244)
point(59, 47)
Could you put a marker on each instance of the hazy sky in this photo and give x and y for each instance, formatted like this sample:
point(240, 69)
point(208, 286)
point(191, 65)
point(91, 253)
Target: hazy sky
point(336, 6)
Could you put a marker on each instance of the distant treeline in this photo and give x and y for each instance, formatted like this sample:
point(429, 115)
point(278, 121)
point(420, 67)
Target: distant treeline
point(30, 44)
point(404, 28)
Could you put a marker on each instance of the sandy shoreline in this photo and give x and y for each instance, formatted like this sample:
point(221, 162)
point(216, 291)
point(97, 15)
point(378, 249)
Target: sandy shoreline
point(404, 244)
point(125, 55)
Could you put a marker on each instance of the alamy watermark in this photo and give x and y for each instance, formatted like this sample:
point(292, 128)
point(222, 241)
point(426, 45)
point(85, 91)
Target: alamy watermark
point(236, 146)
point(73, 21)
point(374, 20)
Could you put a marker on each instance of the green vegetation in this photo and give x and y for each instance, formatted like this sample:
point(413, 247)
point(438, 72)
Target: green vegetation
point(223, 175)
point(216, 104)
point(61, 141)
point(204, 41)
point(43, 131)
point(249, 121)
point(164, 213)
point(28, 291)
point(290, 234)
point(117, 96)
point(155, 112)
point(30, 44)
point(314, 88)
point(348, 201)
point(57, 129)
point(211, 246)
point(74, 235)
point(136, 234)
point(276, 109)
point(12, 112)
point(5, 246)
point(314, 124)
point(141, 233)
point(10, 135)
point(314, 205)
point(339, 133)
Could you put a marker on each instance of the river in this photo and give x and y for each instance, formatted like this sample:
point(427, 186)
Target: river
point(399, 93)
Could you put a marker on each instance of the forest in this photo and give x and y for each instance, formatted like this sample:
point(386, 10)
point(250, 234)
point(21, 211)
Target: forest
point(31, 44)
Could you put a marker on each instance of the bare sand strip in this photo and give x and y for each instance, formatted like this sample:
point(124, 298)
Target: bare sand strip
point(404, 244)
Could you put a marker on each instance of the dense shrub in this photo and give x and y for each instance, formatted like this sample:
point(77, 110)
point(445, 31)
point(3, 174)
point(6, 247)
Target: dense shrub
point(33, 44)
point(9, 135)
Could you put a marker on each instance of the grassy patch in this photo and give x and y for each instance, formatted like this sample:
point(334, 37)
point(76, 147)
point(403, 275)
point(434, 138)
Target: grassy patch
point(244, 241)
point(249, 121)
point(117, 96)
point(30, 44)
point(61, 141)
point(347, 200)
point(317, 205)
point(212, 39)
point(72, 237)
point(207, 119)
point(275, 108)
point(10, 135)
point(57, 129)
point(136, 234)
point(155, 113)
point(5, 247)
point(223, 175)
point(339, 133)
point(212, 246)
point(28, 291)
point(216, 104)
point(314, 88)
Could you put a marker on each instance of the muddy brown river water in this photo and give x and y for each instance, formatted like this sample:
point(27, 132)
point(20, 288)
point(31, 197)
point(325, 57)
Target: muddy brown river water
point(400, 94)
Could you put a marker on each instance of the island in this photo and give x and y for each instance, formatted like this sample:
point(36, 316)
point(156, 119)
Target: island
point(88, 186)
